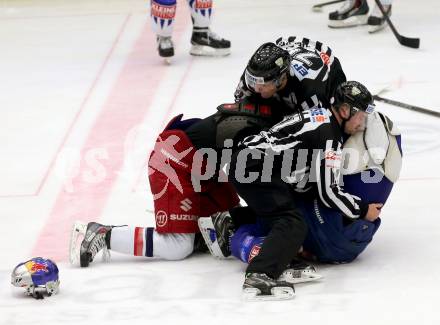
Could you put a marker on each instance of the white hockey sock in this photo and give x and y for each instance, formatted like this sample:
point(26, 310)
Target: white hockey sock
point(140, 241)
point(162, 13)
point(129, 240)
point(201, 12)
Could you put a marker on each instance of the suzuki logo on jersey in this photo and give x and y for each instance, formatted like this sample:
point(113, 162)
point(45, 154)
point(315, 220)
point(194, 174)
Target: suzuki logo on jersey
point(183, 217)
point(185, 204)
point(318, 115)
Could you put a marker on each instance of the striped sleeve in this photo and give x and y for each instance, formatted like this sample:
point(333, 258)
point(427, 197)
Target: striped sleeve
point(328, 167)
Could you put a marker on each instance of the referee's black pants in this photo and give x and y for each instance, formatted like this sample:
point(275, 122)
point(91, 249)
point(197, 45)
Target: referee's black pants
point(274, 203)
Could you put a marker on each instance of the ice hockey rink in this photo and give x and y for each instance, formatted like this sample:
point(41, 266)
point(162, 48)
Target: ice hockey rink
point(84, 94)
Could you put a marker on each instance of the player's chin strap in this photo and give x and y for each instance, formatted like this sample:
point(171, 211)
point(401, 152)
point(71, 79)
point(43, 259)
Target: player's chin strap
point(279, 81)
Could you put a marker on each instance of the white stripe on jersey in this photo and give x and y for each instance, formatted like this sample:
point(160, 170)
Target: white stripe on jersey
point(330, 184)
point(256, 141)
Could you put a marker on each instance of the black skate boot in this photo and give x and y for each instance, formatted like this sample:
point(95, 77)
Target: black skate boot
point(352, 13)
point(217, 231)
point(96, 238)
point(206, 43)
point(199, 244)
point(377, 21)
point(165, 46)
point(259, 286)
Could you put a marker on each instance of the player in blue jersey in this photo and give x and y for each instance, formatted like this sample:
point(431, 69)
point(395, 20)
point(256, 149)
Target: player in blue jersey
point(332, 237)
point(337, 226)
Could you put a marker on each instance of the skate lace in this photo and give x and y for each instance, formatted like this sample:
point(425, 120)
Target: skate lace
point(165, 42)
point(347, 6)
point(293, 273)
point(97, 244)
point(213, 36)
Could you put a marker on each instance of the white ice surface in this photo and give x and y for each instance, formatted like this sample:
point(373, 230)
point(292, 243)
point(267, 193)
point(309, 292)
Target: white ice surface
point(59, 64)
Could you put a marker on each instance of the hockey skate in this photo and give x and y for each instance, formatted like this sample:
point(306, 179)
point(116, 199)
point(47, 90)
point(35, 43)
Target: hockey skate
point(300, 272)
point(216, 231)
point(259, 286)
point(206, 43)
point(165, 47)
point(377, 21)
point(352, 13)
point(87, 240)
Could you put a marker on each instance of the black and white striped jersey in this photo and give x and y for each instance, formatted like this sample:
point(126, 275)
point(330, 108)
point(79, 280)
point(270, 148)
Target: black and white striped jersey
point(306, 149)
point(315, 72)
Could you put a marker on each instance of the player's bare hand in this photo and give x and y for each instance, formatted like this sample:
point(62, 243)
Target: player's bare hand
point(373, 211)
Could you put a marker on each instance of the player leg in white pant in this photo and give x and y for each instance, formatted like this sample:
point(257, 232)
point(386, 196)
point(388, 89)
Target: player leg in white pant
point(139, 241)
point(89, 239)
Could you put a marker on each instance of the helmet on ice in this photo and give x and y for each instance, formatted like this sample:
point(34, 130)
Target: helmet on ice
point(38, 276)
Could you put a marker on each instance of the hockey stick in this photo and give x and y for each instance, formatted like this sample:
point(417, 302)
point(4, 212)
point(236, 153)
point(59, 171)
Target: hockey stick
point(319, 6)
point(405, 41)
point(407, 106)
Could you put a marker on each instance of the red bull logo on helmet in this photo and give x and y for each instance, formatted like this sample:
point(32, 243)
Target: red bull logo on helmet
point(34, 267)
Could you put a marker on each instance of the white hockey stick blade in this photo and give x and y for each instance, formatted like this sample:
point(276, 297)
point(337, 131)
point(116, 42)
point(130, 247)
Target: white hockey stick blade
point(277, 293)
point(206, 228)
point(316, 9)
point(77, 235)
point(300, 276)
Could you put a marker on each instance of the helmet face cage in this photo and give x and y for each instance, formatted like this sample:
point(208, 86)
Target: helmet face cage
point(267, 65)
point(252, 81)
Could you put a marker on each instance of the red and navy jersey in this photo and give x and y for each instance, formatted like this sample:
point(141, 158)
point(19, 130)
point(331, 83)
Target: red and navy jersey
point(314, 74)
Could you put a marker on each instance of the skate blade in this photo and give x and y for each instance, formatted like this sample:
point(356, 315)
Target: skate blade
point(77, 235)
point(277, 294)
point(316, 9)
point(205, 226)
point(374, 29)
point(201, 50)
point(349, 22)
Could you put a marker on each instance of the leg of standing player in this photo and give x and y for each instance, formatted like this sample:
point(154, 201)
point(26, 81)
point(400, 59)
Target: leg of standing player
point(162, 14)
point(203, 41)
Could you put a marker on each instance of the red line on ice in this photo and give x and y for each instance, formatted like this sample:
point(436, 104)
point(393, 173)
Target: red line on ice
point(124, 109)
